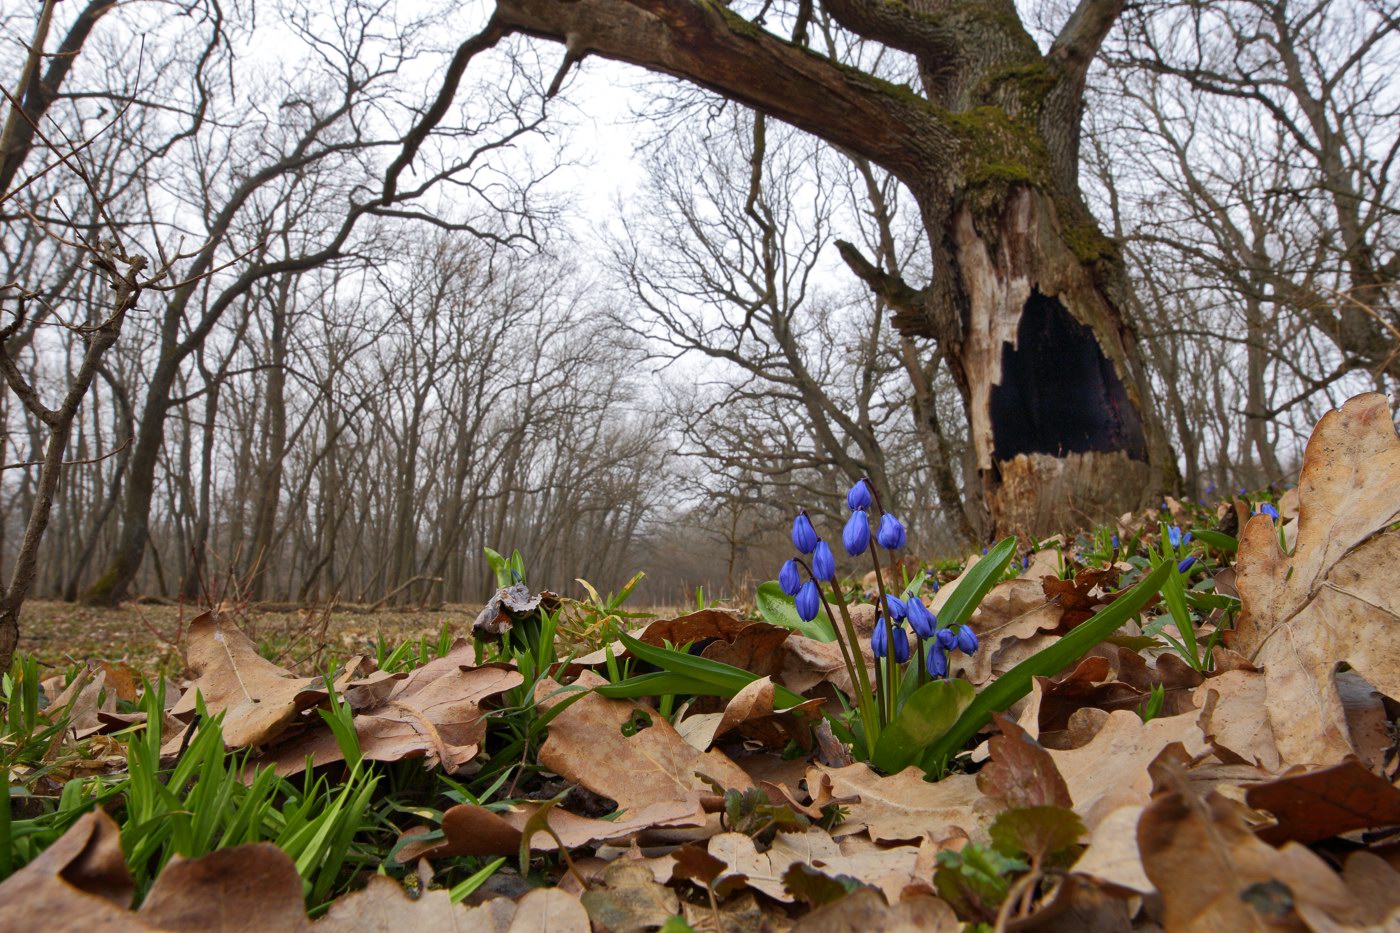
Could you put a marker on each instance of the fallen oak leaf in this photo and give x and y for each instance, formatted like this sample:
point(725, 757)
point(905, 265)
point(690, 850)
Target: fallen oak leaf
point(1336, 597)
point(1022, 773)
point(79, 882)
point(626, 897)
point(866, 909)
point(259, 700)
point(249, 887)
point(383, 906)
point(902, 807)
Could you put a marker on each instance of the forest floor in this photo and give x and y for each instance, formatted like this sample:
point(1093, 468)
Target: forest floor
point(150, 637)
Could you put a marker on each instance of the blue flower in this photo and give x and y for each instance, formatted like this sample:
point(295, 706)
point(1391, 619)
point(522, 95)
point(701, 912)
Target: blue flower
point(967, 639)
point(891, 534)
point(809, 601)
point(1185, 565)
point(937, 661)
point(897, 609)
point(1115, 542)
point(984, 552)
point(855, 537)
point(790, 578)
point(1026, 561)
point(1210, 490)
point(879, 644)
point(901, 645)
point(923, 622)
point(947, 639)
point(823, 562)
point(804, 536)
point(859, 496)
point(935, 586)
point(1267, 508)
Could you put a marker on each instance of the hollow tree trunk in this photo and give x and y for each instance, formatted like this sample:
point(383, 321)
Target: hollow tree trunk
point(1027, 296)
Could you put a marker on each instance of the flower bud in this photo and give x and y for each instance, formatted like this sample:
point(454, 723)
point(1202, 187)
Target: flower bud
point(1267, 508)
point(947, 639)
point(823, 562)
point(856, 535)
point(896, 608)
point(859, 496)
point(804, 536)
point(1174, 536)
point(891, 534)
point(923, 622)
point(967, 640)
point(901, 645)
point(1186, 564)
point(809, 601)
point(790, 578)
point(937, 661)
point(879, 644)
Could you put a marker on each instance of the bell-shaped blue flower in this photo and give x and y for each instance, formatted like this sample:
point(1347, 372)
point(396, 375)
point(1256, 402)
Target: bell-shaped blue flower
point(855, 537)
point(879, 643)
point(937, 661)
point(891, 534)
point(859, 496)
point(1186, 564)
point(1175, 536)
point(790, 578)
point(947, 639)
point(1114, 539)
point(923, 622)
point(1267, 508)
point(967, 639)
point(809, 601)
point(900, 644)
point(823, 562)
point(897, 608)
point(804, 536)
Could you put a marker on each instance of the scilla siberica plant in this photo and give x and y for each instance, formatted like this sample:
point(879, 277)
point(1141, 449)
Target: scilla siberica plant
point(876, 706)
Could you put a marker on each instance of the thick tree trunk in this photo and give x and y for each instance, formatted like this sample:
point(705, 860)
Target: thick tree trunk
point(1027, 295)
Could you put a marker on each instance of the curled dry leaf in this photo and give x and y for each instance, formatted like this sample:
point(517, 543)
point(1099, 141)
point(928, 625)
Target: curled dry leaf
point(589, 744)
point(259, 700)
point(246, 888)
point(78, 883)
point(1235, 719)
point(508, 603)
point(549, 910)
point(750, 712)
point(900, 808)
point(1337, 596)
point(1112, 858)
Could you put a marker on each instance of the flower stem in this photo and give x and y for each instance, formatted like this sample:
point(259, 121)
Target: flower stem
point(865, 700)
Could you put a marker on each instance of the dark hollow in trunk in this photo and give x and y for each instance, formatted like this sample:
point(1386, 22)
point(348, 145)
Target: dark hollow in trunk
point(1058, 393)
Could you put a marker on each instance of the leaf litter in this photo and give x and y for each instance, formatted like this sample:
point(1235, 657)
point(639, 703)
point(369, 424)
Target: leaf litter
point(1260, 795)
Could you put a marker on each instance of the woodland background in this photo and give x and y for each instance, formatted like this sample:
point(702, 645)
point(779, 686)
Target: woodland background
point(330, 397)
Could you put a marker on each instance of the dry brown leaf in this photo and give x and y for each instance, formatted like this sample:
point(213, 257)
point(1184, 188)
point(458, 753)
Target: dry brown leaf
point(866, 909)
point(1111, 770)
point(1321, 804)
point(435, 713)
point(808, 663)
point(1236, 721)
point(1112, 858)
point(1021, 773)
point(763, 871)
point(1215, 874)
point(245, 888)
point(1012, 614)
point(259, 700)
point(1337, 598)
point(627, 899)
point(549, 910)
point(653, 766)
point(79, 883)
point(750, 712)
point(900, 808)
point(383, 906)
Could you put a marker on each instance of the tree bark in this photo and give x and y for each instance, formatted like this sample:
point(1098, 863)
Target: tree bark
point(1027, 296)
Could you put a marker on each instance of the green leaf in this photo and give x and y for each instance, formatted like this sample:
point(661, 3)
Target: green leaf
point(929, 713)
point(660, 683)
point(721, 679)
point(1217, 540)
point(1036, 832)
point(1016, 683)
point(778, 608)
point(967, 595)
